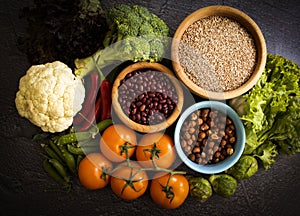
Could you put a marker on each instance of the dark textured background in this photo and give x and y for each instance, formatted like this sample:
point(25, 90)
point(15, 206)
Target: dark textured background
point(23, 181)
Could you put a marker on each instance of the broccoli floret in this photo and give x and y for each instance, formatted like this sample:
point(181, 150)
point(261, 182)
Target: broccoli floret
point(135, 34)
point(266, 153)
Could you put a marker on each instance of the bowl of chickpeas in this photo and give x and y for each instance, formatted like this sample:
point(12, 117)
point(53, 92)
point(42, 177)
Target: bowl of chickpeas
point(209, 137)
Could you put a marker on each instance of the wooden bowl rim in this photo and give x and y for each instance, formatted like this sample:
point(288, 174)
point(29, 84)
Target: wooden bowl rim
point(248, 23)
point(125, 119)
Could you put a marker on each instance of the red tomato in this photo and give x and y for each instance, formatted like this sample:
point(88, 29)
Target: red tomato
point(113, 141)
point(91, 171)
point(169, 195)
point(129, 183)
point(158, 146)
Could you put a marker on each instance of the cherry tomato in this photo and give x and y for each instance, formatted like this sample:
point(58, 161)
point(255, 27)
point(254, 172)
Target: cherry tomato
point(169, 195)
point(92, 171)
point(158, 146)
point(129, 183)
point(115, 139)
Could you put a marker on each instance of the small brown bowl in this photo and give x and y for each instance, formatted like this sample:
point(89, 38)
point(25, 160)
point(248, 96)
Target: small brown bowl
point(248, 24)
point(143, 128)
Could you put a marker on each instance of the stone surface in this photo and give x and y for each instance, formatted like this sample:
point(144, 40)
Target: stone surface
point(23, 181)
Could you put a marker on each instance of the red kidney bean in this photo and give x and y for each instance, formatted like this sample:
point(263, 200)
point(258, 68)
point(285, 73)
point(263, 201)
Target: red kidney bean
point(148, 95)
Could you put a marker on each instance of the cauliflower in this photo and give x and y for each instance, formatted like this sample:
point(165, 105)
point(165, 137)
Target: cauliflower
point(49, 96)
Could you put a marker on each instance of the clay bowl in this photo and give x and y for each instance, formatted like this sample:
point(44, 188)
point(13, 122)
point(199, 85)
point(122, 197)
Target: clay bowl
point(124, 117)
point(248, 24)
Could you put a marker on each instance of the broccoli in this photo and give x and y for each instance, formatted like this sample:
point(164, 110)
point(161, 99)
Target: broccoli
point(134, 34)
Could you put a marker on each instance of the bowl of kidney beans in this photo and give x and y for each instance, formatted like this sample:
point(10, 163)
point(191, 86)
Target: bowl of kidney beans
point(147, 97)
point(209, 137)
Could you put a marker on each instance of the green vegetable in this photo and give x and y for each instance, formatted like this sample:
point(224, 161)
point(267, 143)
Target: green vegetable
point(135, 34)
point(246, 167)
point(51, 153)
point(267, 153)
point(200, 188)
point(73, 137)
point(60, 169)
point(52, 172)
point(272, 111)
point(63, 30)
point(69, 159)
point(223, 184)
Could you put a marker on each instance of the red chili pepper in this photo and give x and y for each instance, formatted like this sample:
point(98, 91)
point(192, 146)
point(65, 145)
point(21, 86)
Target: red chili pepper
point(92, 117)
point(89, 102)
point(105, 91)
point(98, 108)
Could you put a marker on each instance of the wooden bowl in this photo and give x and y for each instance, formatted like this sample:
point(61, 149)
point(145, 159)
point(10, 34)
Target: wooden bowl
point(248, 24)
point(140, 127)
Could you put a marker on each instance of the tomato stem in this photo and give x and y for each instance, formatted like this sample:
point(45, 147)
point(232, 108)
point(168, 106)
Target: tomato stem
point(130, 182)
point(124, 149)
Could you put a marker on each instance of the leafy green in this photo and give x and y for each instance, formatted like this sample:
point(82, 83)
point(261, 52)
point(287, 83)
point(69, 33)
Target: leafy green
point(62, 30)
point(267, 153)
point(272, 111)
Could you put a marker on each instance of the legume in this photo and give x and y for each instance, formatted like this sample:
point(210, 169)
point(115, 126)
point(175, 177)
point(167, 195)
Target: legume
point(217, 53)
point(208, 136)
point(147, 97)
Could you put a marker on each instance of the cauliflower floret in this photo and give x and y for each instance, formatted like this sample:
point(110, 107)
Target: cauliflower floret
point(49, 96)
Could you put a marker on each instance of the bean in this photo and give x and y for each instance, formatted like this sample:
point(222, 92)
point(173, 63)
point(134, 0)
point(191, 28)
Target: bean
point(205, 135)
point(52, 172)
point(75, 150)
point(56, 150)
point(102, 125)
point(60, 169)
point(153, 95)
point(229, 151)
point(51, 153)
point(78, 160)
point(196, 150)
point(69, 159)
point(73, 137)
point(192, 157)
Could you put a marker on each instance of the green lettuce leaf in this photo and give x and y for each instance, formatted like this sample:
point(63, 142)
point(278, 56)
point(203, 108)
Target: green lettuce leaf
point(272, 110)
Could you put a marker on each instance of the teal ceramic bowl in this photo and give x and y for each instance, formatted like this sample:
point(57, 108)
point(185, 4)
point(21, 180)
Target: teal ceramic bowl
point(238, 147)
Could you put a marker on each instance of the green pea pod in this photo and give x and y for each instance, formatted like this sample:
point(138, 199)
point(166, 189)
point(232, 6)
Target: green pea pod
point(73, 137)
point(69, 159)
point(52, 172)
point(75, 150)
point(102, 125)
point(83, 150)
point(79, 159)
point(50, 152)
point(60, 169)
point(56, 150)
